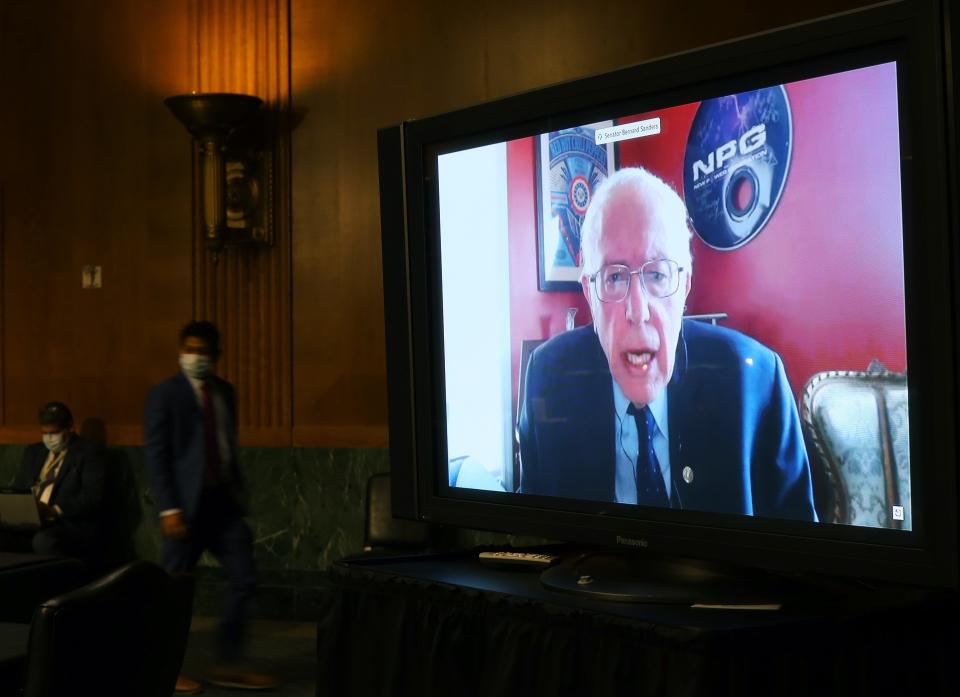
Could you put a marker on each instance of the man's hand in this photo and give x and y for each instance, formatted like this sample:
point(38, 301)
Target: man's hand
point(173, 525)
point(46, 511)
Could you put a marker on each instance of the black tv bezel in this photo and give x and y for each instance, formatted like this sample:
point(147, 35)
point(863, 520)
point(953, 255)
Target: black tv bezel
point(911, 32)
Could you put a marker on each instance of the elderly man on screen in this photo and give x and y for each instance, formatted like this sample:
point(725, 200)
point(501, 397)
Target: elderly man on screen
point(644, 407)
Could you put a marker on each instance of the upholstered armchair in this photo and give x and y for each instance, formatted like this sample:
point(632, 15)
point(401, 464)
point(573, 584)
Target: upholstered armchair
point(857, 423)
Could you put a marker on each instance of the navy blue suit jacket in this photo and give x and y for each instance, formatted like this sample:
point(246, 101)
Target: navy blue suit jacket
point(732, 421)
point(176, 446)
point(80, 485)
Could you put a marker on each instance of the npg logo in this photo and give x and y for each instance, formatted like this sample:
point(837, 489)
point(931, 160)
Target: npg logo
point(751, 141)
point(735, 164)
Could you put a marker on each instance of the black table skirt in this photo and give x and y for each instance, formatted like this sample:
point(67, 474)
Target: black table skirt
point(389, 629)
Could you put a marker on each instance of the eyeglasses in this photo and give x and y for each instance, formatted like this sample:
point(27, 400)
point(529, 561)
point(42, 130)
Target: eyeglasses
point(659, 278)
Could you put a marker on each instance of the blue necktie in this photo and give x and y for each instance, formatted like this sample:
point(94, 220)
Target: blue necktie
point(650, 489)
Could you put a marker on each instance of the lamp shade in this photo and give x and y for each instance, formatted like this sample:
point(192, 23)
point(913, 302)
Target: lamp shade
point(212, 113)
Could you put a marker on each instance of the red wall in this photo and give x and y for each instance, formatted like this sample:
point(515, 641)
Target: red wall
point(533, 315)
point(822, 283)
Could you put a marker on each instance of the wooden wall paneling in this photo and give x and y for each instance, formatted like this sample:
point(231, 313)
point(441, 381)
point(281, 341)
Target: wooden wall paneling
point(360, 66)
point(243, 47)
point(3, 381)
point(379, 62)
point(5, 59)
point(94, 169)
point(90, 175)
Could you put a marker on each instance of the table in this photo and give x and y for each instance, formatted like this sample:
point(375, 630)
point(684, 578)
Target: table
point(444, 625)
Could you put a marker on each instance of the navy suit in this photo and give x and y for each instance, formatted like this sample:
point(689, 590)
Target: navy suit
point(732, 421)
point(176, 447)
point(78, 491)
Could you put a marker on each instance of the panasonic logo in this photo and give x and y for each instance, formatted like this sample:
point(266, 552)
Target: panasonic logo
point(631, 542)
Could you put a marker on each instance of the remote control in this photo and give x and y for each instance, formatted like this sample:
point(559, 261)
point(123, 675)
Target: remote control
point(529, 560)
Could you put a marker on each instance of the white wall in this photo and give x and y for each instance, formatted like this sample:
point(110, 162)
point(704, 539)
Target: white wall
point(476, 318)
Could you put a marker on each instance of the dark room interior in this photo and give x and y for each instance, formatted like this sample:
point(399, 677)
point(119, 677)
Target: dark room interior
point(110, 243)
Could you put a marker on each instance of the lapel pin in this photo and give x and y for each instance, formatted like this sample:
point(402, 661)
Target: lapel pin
point(688, 475)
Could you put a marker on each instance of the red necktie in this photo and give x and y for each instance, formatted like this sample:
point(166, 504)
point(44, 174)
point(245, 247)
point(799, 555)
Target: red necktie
point(212, 446)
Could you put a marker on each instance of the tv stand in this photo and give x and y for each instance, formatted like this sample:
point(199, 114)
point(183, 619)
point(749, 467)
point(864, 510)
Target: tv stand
point(446, 624)
point(646, 578)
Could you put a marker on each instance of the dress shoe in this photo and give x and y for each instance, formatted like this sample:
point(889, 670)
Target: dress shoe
point(187, 686)
point(240, 679)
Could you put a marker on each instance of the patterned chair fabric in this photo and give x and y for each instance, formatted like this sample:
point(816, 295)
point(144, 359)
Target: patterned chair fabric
point(857, 422)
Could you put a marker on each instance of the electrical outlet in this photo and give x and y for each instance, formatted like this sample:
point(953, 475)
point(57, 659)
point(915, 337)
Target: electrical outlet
point(91, 277)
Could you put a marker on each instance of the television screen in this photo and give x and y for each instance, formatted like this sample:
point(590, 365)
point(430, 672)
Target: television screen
point(701, 264)
point(672, 306)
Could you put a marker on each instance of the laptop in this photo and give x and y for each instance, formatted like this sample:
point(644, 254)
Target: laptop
point(18, 509)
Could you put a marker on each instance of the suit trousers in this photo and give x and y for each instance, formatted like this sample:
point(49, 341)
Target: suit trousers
point(219, 526)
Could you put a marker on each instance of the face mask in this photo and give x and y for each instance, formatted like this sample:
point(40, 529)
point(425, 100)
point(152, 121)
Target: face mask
point(195, 365)
point(55, 442)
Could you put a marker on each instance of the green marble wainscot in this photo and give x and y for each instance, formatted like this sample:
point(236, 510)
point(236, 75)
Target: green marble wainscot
point(307, 509)
point(10, 456)
point(307, 504)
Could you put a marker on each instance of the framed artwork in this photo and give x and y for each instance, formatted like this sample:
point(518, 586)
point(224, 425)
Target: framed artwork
point(570, 166)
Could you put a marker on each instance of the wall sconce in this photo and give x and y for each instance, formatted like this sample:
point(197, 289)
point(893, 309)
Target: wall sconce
point(236, 165)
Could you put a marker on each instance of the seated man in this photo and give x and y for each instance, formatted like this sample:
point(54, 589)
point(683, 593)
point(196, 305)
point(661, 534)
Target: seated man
point(644, 407)
point(66, 474)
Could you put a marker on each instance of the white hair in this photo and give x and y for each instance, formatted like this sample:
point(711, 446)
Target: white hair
point(660, 196)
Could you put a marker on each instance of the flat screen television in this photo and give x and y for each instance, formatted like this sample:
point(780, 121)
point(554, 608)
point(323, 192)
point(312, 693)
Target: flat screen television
point(669, 308)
